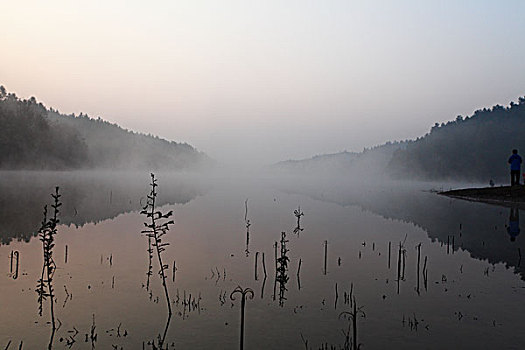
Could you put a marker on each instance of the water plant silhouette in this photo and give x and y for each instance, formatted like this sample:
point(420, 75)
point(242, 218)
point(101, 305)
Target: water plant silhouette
point(347, 296)
point(15, 255)
point(276, 268)
point(298, 274)
point(326, 255)
point(246, 210)
point(248, 224)
point(262, 287)
point(150, 263)
point(244, 293)
point(247, 250)
point(9, 344)
point(68, 296)
point(401, 261)
point(174, 272)
point(47, 233)
point(281, 276)
point(336, 296)
point(298, 213)
point(160, 342)
point(352, 343)
point(305, 341)
point(157, 228)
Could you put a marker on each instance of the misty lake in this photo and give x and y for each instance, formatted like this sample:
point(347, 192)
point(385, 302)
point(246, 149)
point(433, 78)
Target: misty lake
point(422, 271)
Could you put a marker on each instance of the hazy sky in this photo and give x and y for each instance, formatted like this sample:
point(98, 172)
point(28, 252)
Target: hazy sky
point(266, 80)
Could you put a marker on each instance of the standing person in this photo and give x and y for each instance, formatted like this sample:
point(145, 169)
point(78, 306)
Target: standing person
point(515, 165)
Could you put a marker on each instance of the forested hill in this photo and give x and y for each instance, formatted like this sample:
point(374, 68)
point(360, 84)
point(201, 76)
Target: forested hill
point(34, 137)
point(370, 162)
point(472, 148)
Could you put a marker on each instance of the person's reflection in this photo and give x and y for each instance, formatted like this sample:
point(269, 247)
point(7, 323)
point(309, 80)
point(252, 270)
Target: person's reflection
point(514, 224)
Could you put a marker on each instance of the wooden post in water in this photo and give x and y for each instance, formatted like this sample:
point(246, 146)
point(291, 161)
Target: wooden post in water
point(354, 324)
point(398, 267)
point(336, 296)
point(17, 257)
point(325, 255)
point(299, 277)
point(275, 248)
point(256, 258)
point(264, 265)
point(351, 292)
point(418, 263)
point(389, 253)
point(425, 273)
point(404, 255)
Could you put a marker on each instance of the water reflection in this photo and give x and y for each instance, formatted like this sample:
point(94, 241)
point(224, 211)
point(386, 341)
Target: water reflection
point(513, 229)
point(206, 236)
point(88, 197)
point(458, 224)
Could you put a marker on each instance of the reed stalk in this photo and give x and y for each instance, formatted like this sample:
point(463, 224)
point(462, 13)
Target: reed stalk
point(155, 230)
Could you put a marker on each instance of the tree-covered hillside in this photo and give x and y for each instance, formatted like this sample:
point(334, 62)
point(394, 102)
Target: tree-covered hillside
point(33, 137)
point(110, 146)
point(474, 148)
point(471, 148)
point(371, 162)
point(28, 140)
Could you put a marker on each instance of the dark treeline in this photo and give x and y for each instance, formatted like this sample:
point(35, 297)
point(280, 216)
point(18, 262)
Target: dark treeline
point(29, 140)
point(471, 148)
point(34, 137)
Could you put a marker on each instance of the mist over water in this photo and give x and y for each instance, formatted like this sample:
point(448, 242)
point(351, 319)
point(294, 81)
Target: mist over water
point(467, 289)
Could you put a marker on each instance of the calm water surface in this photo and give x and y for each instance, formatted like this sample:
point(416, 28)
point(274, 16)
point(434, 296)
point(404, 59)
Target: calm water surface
point(470, 296)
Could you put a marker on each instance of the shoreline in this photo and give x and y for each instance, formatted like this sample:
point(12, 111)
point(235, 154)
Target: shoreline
point(504, 195)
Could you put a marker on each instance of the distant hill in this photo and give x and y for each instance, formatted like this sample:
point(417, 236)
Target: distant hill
point(474, 148)
point(370, 162)
point(34, 137)
point(329, 162)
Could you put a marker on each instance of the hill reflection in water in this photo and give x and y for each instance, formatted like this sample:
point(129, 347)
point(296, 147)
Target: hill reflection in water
point(88, 197)
point(487, 232)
